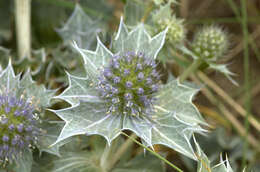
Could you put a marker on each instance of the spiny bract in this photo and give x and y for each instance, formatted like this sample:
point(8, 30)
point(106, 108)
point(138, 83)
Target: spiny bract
point(121, 91)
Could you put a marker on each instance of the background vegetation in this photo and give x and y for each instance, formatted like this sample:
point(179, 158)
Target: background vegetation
point(231, 110)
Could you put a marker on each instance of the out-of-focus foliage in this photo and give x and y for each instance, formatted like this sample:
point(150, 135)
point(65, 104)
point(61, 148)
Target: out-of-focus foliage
point(76, 43)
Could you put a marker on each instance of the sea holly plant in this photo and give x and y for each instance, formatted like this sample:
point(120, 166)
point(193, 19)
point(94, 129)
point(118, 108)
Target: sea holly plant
point(122, 91)
point(22, 103)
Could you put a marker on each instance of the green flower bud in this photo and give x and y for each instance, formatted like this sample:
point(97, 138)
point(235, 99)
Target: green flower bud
point(160, 2)
point(210, 43)
point(176, 31)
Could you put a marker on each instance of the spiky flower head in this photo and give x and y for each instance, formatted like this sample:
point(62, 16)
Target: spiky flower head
point(18, 126)
point(176, 30)
point(210, 43)
point(121, 91)
point(128, 84)
point(21, 102)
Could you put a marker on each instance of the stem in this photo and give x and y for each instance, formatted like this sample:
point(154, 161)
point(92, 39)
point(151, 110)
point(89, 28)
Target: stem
point(121, 151)
point(229, 116)
point(193, 67)
point(246, 76)
point(154, 153)
point(23, 27)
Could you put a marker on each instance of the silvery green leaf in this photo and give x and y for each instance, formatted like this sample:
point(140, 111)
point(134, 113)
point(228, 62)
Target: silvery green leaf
point(138, 40)
point(4, 56)
point(24, 164)
point(163, 12)
point(75, 158)
point(36, 62)
point(134, 11)
point(177, 98)
point(79, 88)
point(80, 28)
point(223, 166)
point(8, 80)
point(51, 132)
point(204, 163)
point(76, 162)
point(139, 164)
point(94, 61)
point(36, 92)
point(168, 130)
point(223, 69)
point(89, 118)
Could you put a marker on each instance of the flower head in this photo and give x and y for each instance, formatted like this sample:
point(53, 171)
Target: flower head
point(18, 126)
point(21, 102)
point(176, 31)
point(210, 43)
point(121, 91)
point(130, 86)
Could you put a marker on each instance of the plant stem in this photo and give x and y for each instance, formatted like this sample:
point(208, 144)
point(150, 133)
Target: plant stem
point(123, 148)
point(23, 27)
point(246, 76)
point(193, 67)
point(154, 153)
point(229, 116)
point(237, 107)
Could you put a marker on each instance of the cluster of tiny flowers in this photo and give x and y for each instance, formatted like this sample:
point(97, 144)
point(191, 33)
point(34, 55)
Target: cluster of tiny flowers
point(210, 43)
point(129, 83)
point(176, 31)
point(18, 128)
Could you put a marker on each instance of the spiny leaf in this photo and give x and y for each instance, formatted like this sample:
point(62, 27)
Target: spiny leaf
point(38, 93)
point(4, 56)
point(89, 118)
point(94, 61)
point(223, 69)
point(80, 28)
point(134, 11)
point(35, 63)
point(8, 80)
point(177, 97)
point(138, 40)
point(204, 163)
point(79, 88)
point(51, 132)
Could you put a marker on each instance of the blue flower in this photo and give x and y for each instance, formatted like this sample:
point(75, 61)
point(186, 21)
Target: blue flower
point(18, 126)
point(21, 102)
point(131, 89)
